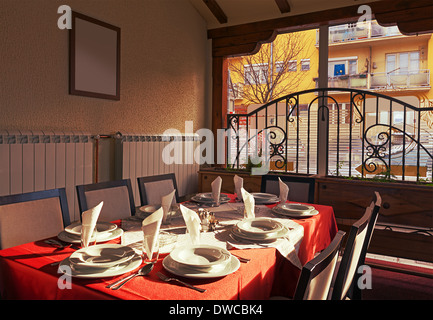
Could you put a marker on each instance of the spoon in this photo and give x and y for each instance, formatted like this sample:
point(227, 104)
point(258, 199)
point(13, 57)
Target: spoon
point(142, 272)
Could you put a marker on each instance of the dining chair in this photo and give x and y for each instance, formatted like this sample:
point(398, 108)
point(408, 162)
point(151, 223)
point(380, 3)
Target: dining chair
point(301, 189)
point(376, 203)
point(316, 275)
point(354, 251)
point(117, 196)
point(32, 216)
point(152, 188)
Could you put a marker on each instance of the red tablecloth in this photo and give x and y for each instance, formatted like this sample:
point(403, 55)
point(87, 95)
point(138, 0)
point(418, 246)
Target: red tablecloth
point(26, 273)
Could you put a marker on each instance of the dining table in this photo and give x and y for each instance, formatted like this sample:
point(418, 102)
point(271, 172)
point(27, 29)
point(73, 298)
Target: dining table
point(32, 270)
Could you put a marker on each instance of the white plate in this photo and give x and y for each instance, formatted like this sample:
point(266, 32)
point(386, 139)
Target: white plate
point(200, 256)
point(89, 272)
point(291, 214)
point(265, 198)
point(149, 208)
point(259, 226)
point(208, 196)
point(100, 237)
point(258, 237)
point(102, 255)
point(144, 211)
point(209, 201)
point(183, 271)
point(295, 207)
point(75, 228)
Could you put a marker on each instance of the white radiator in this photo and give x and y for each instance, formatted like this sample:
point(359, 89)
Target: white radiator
point(141, 156)
point(34, 161)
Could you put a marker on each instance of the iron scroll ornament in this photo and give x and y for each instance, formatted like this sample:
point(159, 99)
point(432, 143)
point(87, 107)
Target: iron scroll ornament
point(375, 151)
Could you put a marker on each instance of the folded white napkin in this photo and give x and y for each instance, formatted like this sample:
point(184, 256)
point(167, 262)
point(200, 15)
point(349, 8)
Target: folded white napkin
point(216, 189)
point(88, 223)
point(249, 204)
point(239, 184)
point(150, 227)
point(284, 191)
point(166, 202)
point(192, 222)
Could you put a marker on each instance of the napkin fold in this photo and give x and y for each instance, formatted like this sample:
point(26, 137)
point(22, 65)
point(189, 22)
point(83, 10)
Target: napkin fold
point(166, 202)
point(249, 204)
point(150, 227)
point(216, 189)
point(88, 223)
point(284, 191)
point(239, 184)
point(192, 221)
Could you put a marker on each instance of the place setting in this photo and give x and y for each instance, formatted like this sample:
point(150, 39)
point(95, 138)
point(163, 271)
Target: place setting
point(214, 198)
point(197, 260)
point(103, 231)
point(149, 248)
point(97, 260)
point(259, 197)
point(256, 229)
point(170, 207)
point(257, 232)
point(294, 210)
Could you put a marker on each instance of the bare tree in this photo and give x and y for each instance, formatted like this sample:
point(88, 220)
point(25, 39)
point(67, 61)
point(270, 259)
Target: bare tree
point(273, 71)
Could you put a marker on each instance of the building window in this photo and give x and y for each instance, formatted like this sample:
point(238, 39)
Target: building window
point(256, 73)
point(293, 66)
point(402, 63)
point(305, 64)
point(279, 66)
point(342, 66)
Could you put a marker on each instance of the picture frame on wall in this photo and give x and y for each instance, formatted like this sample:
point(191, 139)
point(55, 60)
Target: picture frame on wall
point(94, 58)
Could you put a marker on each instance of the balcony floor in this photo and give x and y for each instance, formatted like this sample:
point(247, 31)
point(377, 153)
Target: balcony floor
point(393, 285)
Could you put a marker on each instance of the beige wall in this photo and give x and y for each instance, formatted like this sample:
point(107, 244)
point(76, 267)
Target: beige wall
point(164, 68)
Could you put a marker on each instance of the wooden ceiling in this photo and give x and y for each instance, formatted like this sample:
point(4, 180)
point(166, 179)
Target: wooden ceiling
point(218, 13)
point(411, 16)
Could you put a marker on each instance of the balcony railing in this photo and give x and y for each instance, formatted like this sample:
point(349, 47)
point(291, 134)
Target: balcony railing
point(381, 81)
point(368, 135)
point(400, 80)
point(358, 31)
point(357, 81)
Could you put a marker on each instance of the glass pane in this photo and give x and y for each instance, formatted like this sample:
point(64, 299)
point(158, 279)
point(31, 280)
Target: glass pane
point(414, 62)
point(404, 63)
point(390, 63)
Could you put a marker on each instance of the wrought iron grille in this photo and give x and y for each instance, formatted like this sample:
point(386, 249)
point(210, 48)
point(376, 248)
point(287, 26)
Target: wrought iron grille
point(368, 134)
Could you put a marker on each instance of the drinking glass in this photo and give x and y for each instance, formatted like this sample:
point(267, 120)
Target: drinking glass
point(241, 210)
point(167, 241)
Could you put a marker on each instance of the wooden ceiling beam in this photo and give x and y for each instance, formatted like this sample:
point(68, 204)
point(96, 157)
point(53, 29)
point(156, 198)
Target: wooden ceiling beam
point(244, 39)
point(412, 17)
point(314, 19)
point(389, 18)
point(283, 5)
point(419, 26)
point(216, 10)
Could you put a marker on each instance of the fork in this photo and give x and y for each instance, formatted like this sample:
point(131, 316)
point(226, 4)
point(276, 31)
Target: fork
point(163, 277)
point(241, 259)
